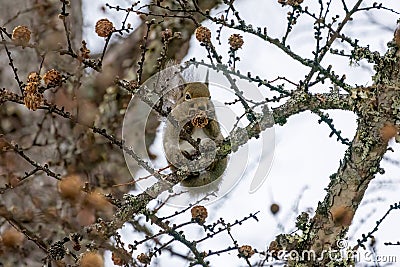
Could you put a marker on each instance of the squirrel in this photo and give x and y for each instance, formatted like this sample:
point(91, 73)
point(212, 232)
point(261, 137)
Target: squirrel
point(192, 135)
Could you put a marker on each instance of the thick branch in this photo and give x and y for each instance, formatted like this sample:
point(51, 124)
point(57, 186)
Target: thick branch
point(362, 159)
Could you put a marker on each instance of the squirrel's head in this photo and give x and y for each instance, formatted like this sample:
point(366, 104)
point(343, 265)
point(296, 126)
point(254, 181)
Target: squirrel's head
point(195, 90)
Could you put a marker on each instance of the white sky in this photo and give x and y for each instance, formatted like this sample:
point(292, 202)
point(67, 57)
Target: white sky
point(304, 156)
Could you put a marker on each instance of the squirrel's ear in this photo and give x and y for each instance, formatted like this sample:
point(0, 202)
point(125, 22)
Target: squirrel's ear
point(206, 82)
point(169, 84)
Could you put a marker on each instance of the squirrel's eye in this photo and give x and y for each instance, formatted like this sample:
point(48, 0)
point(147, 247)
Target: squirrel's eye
point(187, 96)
